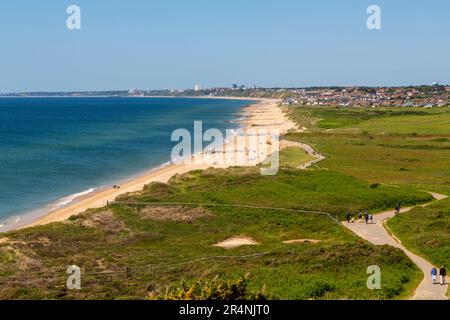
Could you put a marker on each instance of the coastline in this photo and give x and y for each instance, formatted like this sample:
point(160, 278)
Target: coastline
point(143, 97)
point(264, 113)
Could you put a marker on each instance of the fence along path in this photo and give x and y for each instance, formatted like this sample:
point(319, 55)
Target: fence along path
point(130, 271)
point(244, 206)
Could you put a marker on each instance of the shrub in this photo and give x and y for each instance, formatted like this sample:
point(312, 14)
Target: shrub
point(317, 289)
point(217, 289)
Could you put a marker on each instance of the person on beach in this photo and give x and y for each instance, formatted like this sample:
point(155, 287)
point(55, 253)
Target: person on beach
point(434, 273)
point(443, 274)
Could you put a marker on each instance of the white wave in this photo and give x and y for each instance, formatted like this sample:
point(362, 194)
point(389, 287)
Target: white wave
point(66, 200)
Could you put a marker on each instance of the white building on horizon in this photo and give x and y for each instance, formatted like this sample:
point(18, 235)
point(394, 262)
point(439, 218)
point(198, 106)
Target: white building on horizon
point(198, 87)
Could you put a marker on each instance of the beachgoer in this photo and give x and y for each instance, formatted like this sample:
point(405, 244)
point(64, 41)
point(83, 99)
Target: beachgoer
point(443, 274)
point(434, 273)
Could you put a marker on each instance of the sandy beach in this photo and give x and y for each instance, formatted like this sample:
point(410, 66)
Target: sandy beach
point(264, 114)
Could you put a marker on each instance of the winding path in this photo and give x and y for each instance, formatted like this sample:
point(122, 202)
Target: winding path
point(377, 234)
point(308, 149)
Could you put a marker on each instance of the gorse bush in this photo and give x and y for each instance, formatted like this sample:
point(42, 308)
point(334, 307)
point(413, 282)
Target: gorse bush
point(216, 289)
point(317, 289)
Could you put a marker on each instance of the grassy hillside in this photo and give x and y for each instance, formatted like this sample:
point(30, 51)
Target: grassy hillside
point(111, 238)
point(395, 147)
point(426, 231)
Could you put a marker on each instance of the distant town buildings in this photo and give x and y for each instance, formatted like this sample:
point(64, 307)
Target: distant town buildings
point(135, 93)
point(420, 96)
point(433, 95)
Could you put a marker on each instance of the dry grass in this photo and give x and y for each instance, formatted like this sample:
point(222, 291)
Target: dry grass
point(175, 213)
point(103, 220)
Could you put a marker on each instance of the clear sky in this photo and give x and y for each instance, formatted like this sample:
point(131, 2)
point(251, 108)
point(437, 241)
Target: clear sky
point(158, 44)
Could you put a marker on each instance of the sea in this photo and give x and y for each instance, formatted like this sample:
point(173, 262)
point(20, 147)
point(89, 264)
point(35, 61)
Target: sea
point(56, 150)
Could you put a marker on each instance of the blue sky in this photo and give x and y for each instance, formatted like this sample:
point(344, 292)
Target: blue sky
point(176, 43)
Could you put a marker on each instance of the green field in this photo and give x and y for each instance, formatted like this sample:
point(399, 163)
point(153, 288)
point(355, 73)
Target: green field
point(294, 157)
point(395, 147)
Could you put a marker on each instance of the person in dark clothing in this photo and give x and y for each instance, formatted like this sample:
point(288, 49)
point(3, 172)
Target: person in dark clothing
point(348, 216)
point(442, 274)
point(366, 217)
point(397, 208)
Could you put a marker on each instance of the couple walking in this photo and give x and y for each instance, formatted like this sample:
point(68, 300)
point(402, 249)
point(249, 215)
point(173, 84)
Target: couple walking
point(442, 275)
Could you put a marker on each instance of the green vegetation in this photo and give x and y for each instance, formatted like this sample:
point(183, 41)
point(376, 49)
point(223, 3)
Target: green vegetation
point(217, 289)
point(294, 157)
point(389, 146)
point(111, 238)
point(155, 249)
point(316, 190)
point(426, 231)
point(396, 147)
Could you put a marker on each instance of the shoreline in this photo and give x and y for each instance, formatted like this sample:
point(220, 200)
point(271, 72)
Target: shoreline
point(150, 97)
point(262, 113)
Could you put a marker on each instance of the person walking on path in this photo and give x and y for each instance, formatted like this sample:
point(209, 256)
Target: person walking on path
point(366, 217)
point(348, 216)
point(434, 273)
point(360, 216)
point(443, 274)
point(397, 208)
point(371, 219)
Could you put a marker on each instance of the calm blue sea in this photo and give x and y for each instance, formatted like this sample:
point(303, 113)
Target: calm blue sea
point(53, 149)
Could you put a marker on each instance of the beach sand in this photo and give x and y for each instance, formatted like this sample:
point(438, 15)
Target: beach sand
point(263, 114)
